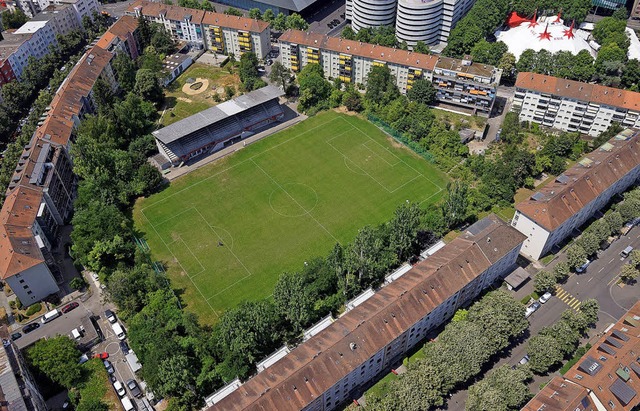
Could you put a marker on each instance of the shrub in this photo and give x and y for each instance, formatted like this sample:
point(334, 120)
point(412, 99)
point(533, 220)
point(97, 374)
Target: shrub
point(78, 283)
point(33, 309)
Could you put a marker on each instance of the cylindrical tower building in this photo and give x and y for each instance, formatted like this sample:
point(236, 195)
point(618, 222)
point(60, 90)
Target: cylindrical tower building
point(372, 13)
point(419, 20)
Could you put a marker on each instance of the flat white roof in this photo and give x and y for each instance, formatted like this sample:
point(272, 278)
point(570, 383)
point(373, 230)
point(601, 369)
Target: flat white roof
point(404, 268)
point(30, 27)
point(364, 296)
point(222, 392)
point(431, 250)
point(315, 329)
point(272, 359)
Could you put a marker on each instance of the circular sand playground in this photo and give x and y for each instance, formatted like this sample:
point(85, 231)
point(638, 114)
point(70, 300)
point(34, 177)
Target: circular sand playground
point(186, 89)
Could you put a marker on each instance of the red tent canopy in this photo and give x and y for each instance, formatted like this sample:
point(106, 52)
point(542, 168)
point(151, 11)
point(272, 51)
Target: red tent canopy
point(514, 20)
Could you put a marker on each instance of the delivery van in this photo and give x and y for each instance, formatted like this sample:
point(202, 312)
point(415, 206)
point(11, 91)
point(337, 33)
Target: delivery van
point(118, 331)
point(50, 316)
point(625, 253)
point(127, 404)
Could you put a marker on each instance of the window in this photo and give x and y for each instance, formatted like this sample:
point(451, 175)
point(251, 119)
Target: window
point(26, 287)
point(21, 281)
point(29, 292)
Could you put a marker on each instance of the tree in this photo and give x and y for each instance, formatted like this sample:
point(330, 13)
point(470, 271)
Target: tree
point(232, 11)
point(314, 89)
point(488, 53)
point(77, 283)
point(454, 208)
point(631, 74)
point(255, 13)
point(176, 376)
point(352, 99)
point(148, 86)
point(511, 129)
point(367, 257)
point(403, 229)
point(544, 352)
point(566, 336)
point(615, 221)
point(348, 33)
point(507, 64)
point(544, 281)
point(161, 40)
point(268, 16)
point(57, 358)
point(421, 47)
point(583, 68)
point(503, 390)
point(13, 19)
point(292, 300)
point(418, 389)
point(561, 271)
point(125, 71)
point(92, 404)
point(422, 91)
point(460, 315)
point(590, 308)
point(628, 209)
point(589, 242)
point(280, 74)
point(628, 273)
point(295, 21)
point(129, 288)
point(501, 316)
point(279, 23)
point(381, 86)
point(248, 71)
point(576, 256)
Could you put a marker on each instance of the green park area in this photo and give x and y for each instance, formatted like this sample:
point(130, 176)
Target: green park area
point(227, 231)
point(198, 88)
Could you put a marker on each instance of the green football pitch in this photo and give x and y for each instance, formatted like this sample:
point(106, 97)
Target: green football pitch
point(225, 232)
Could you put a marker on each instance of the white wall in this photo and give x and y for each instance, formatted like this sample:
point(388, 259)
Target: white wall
point(536, 236)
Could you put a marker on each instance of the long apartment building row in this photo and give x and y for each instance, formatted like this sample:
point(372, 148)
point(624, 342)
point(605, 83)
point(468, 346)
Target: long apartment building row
point(81, 8)
point(552, 213)
point(40, 195)
point(335, 363)
point(34, 37)
point(217, 32)
point(569, 105)
point(429, 21)
point(458, 82)
point(606, 378)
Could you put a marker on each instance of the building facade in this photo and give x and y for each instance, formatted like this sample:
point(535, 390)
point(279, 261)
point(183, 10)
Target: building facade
point(370, 13)
point(18, 388)
point(430, 21)
point(40, 195)
point(217, 32)
point(569, 105)
point(458, 82)
point(81, 8)
point(606, 378)
point(336, 362)
point(552, 213)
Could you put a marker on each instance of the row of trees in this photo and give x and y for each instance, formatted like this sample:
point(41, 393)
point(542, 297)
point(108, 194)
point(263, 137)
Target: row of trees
point(596, 235)
point(559, 341)
point(503, 390)
point(459, 353)
point(280, 22)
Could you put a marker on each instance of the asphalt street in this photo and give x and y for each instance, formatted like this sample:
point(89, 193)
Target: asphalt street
point(599, 282)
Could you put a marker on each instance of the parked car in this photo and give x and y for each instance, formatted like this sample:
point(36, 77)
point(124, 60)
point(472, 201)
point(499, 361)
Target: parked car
point(30, 327)
point(524, 360)
point(330, 25)
point(70, 307)
point(119, 389)
point(124, 347)
point(335, 21)
point(83, 358)
point(110, 316)
point(133, 387)
point(531, 309)
point(583, 267)
point(15, 336)
point(102, 355)
point(108, 366)
point(545, 297)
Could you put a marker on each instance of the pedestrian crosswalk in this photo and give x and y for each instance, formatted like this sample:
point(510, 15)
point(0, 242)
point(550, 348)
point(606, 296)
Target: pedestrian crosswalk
point(567, 298)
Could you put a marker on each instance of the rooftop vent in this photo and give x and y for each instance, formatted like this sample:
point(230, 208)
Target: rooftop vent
point(353, 346)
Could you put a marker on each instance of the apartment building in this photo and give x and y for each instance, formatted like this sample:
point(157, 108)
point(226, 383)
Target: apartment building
point(339, 358)
point(606, 378)
point(18, 388)
point(458, 82)
point(40, 195)
point(569, 105)
point(216, 32)
point(122, 37)
point(61, 17)
point(552, 213)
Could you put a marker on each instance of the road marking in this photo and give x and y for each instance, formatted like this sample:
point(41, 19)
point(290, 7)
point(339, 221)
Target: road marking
point(567, 298)
point(601, 270)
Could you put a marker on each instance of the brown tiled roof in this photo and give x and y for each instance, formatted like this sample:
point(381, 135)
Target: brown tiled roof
point(357, 48)
point(619, 371)
point(124, 27)
point(317, 364)
point(178, 13)
point(580, 91)
point(560, 395)
point(68, 101)
point(556, 202)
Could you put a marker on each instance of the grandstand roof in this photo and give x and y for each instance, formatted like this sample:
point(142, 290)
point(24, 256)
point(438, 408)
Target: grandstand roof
point(212, 115)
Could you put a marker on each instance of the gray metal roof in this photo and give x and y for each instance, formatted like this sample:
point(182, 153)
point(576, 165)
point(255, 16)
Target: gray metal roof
point(295, 5)
point(212, 115)
point(517, 277)
point(8, 383)
point(622, 391)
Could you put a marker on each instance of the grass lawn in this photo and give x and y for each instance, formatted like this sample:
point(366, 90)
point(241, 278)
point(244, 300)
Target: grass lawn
point(96, 386)
point(228, 230)
point(473, 122)
point(181, 105)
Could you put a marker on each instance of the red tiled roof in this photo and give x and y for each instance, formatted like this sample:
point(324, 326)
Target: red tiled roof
point(587, 179)
point(560, 395)
point(357, 48)
point(178, 13)
point(319, 363)
point(580, 91)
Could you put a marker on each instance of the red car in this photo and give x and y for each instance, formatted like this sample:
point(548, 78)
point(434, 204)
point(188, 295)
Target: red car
point(101, 355)
point(69, 307)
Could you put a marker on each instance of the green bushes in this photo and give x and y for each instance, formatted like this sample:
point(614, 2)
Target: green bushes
point(35, 308)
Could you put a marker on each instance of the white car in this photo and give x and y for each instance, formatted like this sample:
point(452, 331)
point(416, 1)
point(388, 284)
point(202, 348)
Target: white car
point(119, 389)
point(545, 297)
point(531, 309)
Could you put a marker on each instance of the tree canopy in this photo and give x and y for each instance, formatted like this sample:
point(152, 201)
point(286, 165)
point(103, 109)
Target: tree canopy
point(57, 358)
